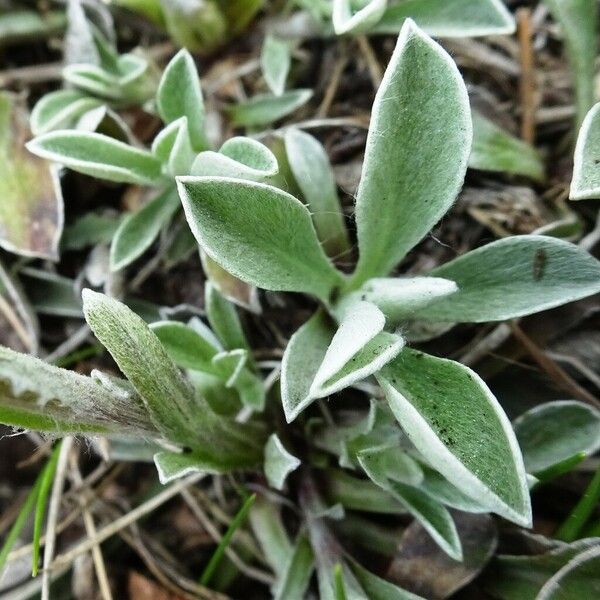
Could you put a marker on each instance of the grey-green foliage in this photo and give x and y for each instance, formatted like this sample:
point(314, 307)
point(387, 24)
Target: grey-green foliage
point(586, 168)
point(417, 150)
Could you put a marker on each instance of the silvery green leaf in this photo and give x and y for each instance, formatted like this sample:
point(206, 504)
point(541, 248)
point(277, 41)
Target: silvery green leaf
point(264, 109)
point(398, 298)
point(228, 365)
point(179, 95)
point(579, 23)
point(431, 514)
point(39, 396)
point(98, 155)
point(103, 119)
point(358, 349)
point(586, 170)
point(496, 150)
point(275, 62)
point(294, 580)
point(251, 390)
point(172, 465)
point(347, 21)
point(182, 154)
point(59, 110)
point(258, 233)
point(51, 294)
point(457, 424)
point(553, 432)
point(393, 463)
point(138, 231)
point(279, 463)
point(94, 80)
point(422, 97)
point(224, 319)
point(379, 589)
point(312, 171)
point(164, 141)
point(240, 158)
point(512, 277)
point(186, 347)
point(458, 18)
point(91, 229)
point(301, 361)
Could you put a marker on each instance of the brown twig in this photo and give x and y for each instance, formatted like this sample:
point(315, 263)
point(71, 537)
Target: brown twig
point(527, 81)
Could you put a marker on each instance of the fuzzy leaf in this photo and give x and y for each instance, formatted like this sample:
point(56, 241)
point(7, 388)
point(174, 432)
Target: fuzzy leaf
point(241, 158)
point(422, 97)
point(137, 232)
point(496, 150)
point(586, 170)
point(31, 205)
point(93, 80)
point(224, 319)
point(98, 155)
point(512, 277)
point(294, 581)
point(258, 233)
point(179, 95)
point(171, 465)
point(380, 589)
point(229, 365)
point(60, 110)
point(551, 433)
point(393, 463)
point(301, 361)
point(39, 396)
point(251, 390)
point(264, 109)
point(310, 166)
point(345, 21)
point(51, 294)
point(275, 62)
point(458, 18)
point(279, 463)
point(453, 419)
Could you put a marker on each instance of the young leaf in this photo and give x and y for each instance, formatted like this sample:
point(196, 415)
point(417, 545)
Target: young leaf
point(229, 365)
point(179, 95)
point(224, 319)
point(294, 581)
point(301, 361)
point(422, 97)
point(51, 294)
point(586, 170)
point(453, 419)
point(171, 465)
point(275, 62)
point(279, 463)
point(251, 390)
point(310, 166)
point(258, 233)
point(265, 109)
point(98, 155)
point(94, 80)
point(551, 433)
point(359, 22)
point(512, 277)
point(496, 150)
point(60, 110)
point(358, 349)
point(380, 589)
point(459, 18)
point(137, 232)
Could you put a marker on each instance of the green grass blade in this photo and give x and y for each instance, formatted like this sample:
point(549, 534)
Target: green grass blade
point(338, 579)
point(239, 518)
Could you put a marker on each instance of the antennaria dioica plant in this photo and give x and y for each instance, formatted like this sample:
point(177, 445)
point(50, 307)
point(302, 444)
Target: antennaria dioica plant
point(429, 436)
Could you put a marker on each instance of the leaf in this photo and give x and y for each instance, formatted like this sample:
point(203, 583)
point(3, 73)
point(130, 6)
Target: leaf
point(93, 80)
point(586, 170)
point(275, 62)
point(179, 95)
point(251, 390)
point(393, 463)
point(171, 465)
point(579, 23)
point(301, 361)
point(453, 419)
point(264, 109)
point(224, 319)
point(229, 365)
point(60, 110)
point(258, 233)
point(430, 513)
point(400, 297)
point(422, 97)
point(241, 158)
point(31, 209)
point(51, 294)
point(553, 432)
point(294, 581)
point(310, 166)
point(579, 578)
point(496, 150)
point(279, 463)
point(344, 21)
point(91, 229)
point(377, 588)
point(36, 395)
point(513, 277)
point(98, 155)
point(459, 18)
point(137, 232)
point(358, 349)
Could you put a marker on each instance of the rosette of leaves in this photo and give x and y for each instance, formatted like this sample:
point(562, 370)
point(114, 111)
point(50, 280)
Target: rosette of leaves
point(441, 437)
point(180, 148)
point(114, 80)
